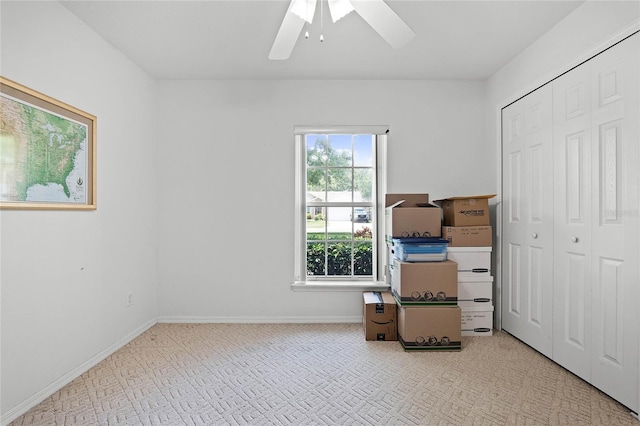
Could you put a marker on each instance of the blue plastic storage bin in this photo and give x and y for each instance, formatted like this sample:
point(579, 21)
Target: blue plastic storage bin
point(420, 249)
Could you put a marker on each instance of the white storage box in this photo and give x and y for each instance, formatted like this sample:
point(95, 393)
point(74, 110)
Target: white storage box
point(475, 291)
point(477, 321)
point(390, 258)
point(471, 260)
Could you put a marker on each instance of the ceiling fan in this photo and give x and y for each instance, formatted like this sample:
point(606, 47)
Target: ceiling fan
point(375, 12)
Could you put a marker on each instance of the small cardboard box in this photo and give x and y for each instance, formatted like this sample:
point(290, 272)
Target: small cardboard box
point(468, 236)
point(409, 214)
point(429, 328)
point(380, 316)
point(477, 320)
point(475, 291)
point(466, 211)
point(425, 283)
point(471, 260)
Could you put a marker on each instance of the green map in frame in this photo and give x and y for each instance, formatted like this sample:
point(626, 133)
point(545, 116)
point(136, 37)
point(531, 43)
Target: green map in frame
point(43, 156)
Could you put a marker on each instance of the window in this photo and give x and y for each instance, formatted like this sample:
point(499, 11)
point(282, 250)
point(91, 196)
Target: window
point(340, 184)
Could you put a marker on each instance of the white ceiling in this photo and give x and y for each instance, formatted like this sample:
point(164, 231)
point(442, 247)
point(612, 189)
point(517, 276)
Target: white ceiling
point(230, 39)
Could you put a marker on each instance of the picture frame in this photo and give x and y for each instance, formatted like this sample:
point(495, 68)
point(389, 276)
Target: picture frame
point(47, 152)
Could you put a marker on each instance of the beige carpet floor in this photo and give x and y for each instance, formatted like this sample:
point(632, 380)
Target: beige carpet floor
point(321, 374)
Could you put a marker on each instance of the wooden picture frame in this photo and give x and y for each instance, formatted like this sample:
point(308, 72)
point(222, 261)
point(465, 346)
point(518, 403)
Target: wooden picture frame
point(47, 152)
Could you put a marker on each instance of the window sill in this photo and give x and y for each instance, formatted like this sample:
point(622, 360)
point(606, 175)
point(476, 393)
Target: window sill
point(339, 286)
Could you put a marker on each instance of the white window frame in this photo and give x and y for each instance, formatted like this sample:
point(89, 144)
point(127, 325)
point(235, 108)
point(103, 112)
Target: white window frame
point(378, 282)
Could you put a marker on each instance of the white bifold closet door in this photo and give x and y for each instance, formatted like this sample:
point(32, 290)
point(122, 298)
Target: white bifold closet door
point(596, 235)
point(570, 220)
point(527, 251)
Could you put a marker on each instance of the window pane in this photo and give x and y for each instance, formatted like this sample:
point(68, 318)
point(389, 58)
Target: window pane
point(363, 184)
point(339, 223)
point(363, 258)
point(340, 187)
point(316, 150)
point(340, 151)
point(362, 229)
point(316, 224)
point(363, 150)
point(360, 215)
point(316, 181)
point(339, 259)
point(316, 258)
point(340, 170)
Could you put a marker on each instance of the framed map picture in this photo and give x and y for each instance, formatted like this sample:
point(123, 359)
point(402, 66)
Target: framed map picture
point(47, 152)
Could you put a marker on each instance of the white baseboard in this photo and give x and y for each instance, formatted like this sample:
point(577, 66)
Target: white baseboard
point(44, 393)
point(260, 320)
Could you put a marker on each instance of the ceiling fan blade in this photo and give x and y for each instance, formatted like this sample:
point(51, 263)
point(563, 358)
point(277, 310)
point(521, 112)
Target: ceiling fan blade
point(385, 21)
point(287, 35)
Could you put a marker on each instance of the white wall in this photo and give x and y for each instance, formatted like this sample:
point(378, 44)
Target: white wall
point(226, 162)
point(590, 28)
point(65, 274)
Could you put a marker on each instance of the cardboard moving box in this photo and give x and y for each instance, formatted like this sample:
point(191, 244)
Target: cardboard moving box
point(429, 328)
point(466, 211)
point(468, 236)
point(425, 283)
point(409, 214)
point(380, 316)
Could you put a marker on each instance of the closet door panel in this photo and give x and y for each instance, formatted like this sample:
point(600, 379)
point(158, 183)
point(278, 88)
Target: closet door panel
point(572, 224)
point(528, 229)
point(514, 288)
point(537, 287)
point(513, 168)
point(615, 114)
point(571, 221)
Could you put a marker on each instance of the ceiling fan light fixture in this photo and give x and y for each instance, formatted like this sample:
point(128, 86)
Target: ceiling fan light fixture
point(376, 13)
point(339, 9)
point(305, 9)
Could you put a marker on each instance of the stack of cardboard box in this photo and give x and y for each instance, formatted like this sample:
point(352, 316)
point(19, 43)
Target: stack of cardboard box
point(467, 228)
point(423, 282)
